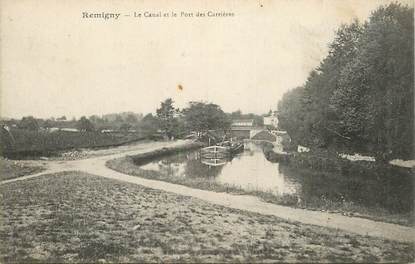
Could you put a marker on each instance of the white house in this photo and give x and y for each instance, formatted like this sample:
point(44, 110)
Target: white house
point(271, 120)
point(241, 128)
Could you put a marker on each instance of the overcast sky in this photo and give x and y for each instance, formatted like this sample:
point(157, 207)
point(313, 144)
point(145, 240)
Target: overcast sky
point(54, 62)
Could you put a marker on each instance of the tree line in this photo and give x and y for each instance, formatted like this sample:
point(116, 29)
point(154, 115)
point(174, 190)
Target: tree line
point(361, 97)
point(170, 122)
point(117, 121)
point(198, 117)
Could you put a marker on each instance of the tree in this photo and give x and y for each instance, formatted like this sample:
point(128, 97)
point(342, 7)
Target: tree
point(29, 122)
point(361, 97)
point(236, 114)
point(149, 124)
point(291, 116)
point(85, 125)
point(166, 117)
point(125, 127)
point(131, 118)
point(321, 121)
point(118, 118)
point(258, 119)
point(375, 99)
point(201, 117)
point(48, 123)
point(94, 119)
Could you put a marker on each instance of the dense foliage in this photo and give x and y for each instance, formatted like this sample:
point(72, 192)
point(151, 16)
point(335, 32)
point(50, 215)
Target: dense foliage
point(85, 125)
point(201, 117)
point(29, 122)
point(361, 97)
point(167, 117)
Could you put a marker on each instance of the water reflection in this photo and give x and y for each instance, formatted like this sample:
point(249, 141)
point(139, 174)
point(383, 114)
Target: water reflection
point(393, 194)
point(251, 171)
point(248, 170)
point(213, 162)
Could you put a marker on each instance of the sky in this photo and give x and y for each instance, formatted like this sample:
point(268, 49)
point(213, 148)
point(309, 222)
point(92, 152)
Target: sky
point(54, 62)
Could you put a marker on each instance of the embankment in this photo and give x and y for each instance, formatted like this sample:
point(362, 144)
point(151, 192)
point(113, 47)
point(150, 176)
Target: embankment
point(378, 191)
point(140, 159)
point(331, 162)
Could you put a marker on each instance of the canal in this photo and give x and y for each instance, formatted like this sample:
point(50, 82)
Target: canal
point(251, 172)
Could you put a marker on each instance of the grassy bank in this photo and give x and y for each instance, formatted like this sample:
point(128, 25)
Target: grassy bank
point(330, 162)
point(43, 143)
point(148, 156)
point(10, 169)
point(320, 191)
point(74, 217)
point(326, 177)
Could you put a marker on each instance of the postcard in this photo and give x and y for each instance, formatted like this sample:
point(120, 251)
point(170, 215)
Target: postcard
point(252, 131)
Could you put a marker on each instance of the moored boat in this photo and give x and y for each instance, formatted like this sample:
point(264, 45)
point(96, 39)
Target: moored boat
point(213, 152)
point(222, 151)
point(237, 148)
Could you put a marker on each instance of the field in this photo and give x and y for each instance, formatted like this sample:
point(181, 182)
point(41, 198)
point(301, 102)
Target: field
point(35, 143)
point(10, 169)
point(75, 217)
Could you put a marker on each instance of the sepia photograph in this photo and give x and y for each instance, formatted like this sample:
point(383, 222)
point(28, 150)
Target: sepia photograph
point(257, 131)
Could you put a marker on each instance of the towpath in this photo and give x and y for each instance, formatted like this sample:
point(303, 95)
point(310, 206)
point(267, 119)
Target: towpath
point(96, 166)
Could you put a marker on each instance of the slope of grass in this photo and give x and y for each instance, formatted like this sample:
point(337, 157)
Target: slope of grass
point(33, 143)
point(75, 217)
point(10, 169)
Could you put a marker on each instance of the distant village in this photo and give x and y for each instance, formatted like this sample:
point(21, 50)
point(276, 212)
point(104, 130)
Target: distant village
point(37, 134)
point(241, 127)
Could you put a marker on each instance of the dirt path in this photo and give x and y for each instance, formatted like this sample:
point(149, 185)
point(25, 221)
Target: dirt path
point(355, 225)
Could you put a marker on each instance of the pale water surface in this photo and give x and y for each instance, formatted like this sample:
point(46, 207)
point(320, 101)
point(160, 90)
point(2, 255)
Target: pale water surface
point(248, 170)
point(251, 171)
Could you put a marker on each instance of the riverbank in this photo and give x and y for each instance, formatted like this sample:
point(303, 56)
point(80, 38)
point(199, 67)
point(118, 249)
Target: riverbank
point(132, 165)
point(322, 192)
point(326, 161)
point(323, 169)
point(142, 158)
point(115, 221)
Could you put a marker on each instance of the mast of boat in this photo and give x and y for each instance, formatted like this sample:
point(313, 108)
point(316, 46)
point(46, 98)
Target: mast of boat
point(223, 140)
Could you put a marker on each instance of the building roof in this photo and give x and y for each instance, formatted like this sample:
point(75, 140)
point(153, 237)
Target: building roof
point(242, 123)
point(242, 120)
point(247, 128)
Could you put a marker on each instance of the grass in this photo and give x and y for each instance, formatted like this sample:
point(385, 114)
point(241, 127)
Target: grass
point(131, 166)
point(35, 143)
point(166, 151)
point(75, 217)
point(10, 169)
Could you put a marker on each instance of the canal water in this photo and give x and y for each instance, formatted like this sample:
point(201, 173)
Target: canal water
point(251, 171)
point(248, 170)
